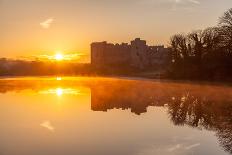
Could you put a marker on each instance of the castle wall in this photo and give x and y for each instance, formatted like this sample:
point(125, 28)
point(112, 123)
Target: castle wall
point(103, 53)
point(159, 55)
point(138, 54)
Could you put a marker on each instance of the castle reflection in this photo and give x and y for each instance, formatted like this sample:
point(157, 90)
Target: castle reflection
point(199, 106)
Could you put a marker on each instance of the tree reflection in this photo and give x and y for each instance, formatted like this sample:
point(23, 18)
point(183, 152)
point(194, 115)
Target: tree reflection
point(199, 107)
point(204, 113)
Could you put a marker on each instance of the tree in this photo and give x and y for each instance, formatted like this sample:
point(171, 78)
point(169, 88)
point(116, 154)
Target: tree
point(196, 42)
point(211, 39)
point(204, 54)
point(225, 25)
point(179, 46)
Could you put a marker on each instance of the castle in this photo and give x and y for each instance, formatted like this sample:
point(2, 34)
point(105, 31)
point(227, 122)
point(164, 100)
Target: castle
point(137, 54)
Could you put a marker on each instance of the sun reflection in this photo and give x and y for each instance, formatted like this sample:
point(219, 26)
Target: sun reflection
point(58, 78)
point(61, 91)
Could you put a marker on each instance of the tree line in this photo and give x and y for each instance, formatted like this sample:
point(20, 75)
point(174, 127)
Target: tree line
point(10, 67)
point(203, 54)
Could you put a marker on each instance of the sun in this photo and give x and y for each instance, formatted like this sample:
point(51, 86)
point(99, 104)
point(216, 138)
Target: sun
point(59, 57)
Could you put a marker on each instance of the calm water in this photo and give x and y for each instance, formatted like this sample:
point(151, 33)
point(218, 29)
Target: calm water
point(103, 116)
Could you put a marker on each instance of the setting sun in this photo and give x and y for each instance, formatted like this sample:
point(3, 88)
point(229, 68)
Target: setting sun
point(59, 57)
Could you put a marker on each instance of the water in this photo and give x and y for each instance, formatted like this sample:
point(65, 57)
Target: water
point(107, 116)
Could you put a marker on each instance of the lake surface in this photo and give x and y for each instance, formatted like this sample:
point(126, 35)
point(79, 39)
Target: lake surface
point(110, 116)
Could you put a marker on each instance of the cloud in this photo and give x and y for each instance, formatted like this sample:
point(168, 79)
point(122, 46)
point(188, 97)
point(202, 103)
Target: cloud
point(178, 1)
point(166, 149)
point(66, 57)
point(175, 147)
point(184, 4)
point(46, 24)
point(187, 1)
point(181, 146)
point(192, 146)
point(47, 125)
point(194, 1)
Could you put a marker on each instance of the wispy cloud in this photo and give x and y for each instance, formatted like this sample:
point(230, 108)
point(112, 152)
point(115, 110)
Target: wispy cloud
point(195, 1)
point(192, 146)
point(178, 148)
point(175, 147)
point(177, 1)
point(47, 23)
point(184, 4)
point(47, 125)
point(182, 146)
point(71, 57)
point(66, 57)
point(187, 1)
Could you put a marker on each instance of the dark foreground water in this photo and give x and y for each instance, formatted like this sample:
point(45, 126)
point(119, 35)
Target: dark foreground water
point(103, 116)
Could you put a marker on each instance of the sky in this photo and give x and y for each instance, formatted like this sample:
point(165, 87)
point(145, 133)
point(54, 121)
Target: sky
point(43, 27)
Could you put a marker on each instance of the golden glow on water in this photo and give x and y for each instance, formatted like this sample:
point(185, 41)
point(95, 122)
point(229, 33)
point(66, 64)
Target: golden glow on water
point(62, 91)
point(58, 78)
point(59, 91)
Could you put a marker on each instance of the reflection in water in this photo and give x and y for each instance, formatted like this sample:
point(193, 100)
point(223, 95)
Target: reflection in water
point(58, 78)
point(61, 91)
point(198, 106)
point(204, 113)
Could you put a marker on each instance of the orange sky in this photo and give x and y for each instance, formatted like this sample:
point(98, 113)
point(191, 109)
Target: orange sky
point(43, 27)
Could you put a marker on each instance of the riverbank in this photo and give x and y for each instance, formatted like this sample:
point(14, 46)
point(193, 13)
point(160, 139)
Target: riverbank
point(123, 77)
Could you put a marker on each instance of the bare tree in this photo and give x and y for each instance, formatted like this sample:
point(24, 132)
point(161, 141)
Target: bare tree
point(211, 39)
point(179, 46)
point(196, 42)
point(207, 52)
point(225, 25)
